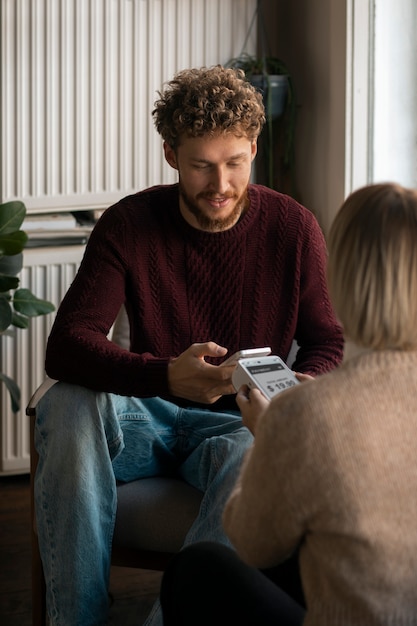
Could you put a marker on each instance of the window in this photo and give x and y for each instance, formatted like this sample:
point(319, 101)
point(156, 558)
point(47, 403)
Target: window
point(381, 130)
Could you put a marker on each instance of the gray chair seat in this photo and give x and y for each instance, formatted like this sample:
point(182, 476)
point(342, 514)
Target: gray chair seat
point(155, 513)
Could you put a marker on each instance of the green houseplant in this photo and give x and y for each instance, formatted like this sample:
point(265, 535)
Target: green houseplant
point(17, 305)
point(275, 165)
point(271, 76)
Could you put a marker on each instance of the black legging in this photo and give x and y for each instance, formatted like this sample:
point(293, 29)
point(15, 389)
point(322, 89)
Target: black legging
point(207, 584)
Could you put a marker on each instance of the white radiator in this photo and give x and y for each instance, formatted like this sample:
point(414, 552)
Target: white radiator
point(48, 273)
point(79, 79)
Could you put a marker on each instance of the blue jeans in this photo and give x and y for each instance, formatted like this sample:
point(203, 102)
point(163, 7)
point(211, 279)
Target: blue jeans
point(86, 440)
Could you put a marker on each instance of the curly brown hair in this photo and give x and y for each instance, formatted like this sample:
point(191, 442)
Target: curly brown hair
point(205, 101)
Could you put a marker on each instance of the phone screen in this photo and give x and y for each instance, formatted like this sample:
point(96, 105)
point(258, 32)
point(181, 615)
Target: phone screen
point(245, 354)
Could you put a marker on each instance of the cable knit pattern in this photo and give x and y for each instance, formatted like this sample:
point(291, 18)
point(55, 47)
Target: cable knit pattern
point(334, 470)
point(259, 283)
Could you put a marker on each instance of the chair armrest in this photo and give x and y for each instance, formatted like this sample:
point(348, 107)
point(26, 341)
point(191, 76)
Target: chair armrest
point(37, 395)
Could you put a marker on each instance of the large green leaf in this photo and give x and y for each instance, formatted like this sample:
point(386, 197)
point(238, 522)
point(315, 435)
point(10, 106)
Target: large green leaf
point(12, 215)
point(20, 321)
point(5, 313)
point(11, 265)
point(12, 242)
point(8, 282)
point(26, 303)
point(13, 390)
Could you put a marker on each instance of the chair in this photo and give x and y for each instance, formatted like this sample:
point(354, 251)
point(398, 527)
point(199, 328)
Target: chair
point(140, 541)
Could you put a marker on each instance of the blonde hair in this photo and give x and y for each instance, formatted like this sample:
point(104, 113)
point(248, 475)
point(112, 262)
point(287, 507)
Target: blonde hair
point(372, 269)
point(205, 101)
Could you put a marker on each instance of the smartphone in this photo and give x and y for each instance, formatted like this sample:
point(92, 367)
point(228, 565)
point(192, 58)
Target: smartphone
point(244, 354)
point(269, 374)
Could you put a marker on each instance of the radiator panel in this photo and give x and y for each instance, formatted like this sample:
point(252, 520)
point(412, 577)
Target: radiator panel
point(22, 355)
point(78, 83)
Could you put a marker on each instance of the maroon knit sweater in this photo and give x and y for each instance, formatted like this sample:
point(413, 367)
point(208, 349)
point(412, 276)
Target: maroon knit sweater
point(259, 283)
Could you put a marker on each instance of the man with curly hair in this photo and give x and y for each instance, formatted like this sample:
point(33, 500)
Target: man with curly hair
point(204, 267)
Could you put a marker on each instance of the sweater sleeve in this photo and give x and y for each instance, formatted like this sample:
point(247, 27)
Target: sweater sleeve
point(318, 332)
point(265, 516)
point(78, 349)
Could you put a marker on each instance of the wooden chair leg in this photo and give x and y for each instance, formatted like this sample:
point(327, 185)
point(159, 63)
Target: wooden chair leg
point(38, 580)
point(38, 586)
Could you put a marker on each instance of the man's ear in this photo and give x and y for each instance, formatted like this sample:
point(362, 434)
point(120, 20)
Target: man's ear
point(254, 148)
point(170, 155)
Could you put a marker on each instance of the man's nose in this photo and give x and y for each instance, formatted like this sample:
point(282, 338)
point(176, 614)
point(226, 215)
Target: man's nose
point(219, 180)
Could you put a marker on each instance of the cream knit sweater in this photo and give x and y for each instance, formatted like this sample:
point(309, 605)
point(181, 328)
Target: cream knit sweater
point(334, 469)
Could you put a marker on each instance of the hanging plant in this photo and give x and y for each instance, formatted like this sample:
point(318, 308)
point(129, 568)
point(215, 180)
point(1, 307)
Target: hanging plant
point(271, 77)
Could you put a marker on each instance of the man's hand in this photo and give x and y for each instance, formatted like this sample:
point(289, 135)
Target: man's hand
point(252, 403)
point(190, 377)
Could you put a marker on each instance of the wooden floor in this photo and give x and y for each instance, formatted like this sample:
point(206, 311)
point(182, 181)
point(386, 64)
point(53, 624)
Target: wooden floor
point(133, 591)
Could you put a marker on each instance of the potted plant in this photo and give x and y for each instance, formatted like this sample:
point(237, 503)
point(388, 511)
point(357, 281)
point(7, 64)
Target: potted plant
point(17, 305)
point(271, 76)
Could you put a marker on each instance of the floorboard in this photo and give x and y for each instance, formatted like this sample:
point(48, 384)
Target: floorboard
point(133, 591)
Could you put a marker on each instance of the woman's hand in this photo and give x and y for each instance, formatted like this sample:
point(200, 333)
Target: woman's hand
point(252, 403)
point(303, 377)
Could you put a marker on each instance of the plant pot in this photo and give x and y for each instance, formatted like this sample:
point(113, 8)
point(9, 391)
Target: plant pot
point(274, 89)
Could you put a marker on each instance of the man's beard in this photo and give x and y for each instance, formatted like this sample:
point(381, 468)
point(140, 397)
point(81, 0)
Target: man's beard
point(210, 224)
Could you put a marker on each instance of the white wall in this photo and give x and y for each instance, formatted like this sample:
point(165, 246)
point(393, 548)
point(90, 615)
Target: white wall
point(310, 36)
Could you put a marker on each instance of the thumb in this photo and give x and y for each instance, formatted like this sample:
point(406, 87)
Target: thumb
point(208, 348)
